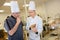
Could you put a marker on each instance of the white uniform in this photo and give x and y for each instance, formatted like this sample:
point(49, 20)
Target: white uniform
point(39, 25)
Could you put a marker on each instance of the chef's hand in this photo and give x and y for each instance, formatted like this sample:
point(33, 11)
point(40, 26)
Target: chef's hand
point(33, 26)
point(18, 20)
point(34, 29)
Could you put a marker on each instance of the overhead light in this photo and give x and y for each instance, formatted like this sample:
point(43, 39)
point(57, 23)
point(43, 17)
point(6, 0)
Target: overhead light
point(26, 5)
point(1, 10)
point(6, 4)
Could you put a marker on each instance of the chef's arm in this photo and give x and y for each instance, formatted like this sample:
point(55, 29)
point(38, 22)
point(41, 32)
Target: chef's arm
point(40, 27)
point(13, 30)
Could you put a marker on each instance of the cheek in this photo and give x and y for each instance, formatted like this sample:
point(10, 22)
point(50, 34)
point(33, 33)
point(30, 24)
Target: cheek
point(17, 14)
point(31, 13)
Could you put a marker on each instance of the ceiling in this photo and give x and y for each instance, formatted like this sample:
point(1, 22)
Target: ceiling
point(21, 3)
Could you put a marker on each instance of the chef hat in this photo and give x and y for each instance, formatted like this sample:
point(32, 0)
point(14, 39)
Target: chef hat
point(14, 6)
point(32, 5)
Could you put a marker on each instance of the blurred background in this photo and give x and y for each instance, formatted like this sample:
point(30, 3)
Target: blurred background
point(48, 10)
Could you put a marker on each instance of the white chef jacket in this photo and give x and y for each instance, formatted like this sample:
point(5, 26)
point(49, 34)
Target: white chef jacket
point(39, 25)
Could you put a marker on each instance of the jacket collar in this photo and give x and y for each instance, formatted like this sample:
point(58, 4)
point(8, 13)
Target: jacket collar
point(13, 17)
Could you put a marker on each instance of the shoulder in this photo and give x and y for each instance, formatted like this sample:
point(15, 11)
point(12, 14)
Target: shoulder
point(39, 17)
point(28, 18)
point(9, 18)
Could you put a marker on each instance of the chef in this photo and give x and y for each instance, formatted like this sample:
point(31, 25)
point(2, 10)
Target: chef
point(13, 23)
point(34, 23)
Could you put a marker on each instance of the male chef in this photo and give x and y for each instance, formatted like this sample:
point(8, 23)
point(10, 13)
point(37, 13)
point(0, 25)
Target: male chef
point(13, 23)
point(34, 23)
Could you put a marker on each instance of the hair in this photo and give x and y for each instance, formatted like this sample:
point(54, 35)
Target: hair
point(7, 16)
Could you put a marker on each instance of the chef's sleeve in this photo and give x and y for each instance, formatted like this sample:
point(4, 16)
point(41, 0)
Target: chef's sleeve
point(40, 26)
point(6, 25)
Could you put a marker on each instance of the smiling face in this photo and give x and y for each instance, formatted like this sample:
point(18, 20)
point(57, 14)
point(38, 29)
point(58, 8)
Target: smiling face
point(32, 13)
point(16, 14)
